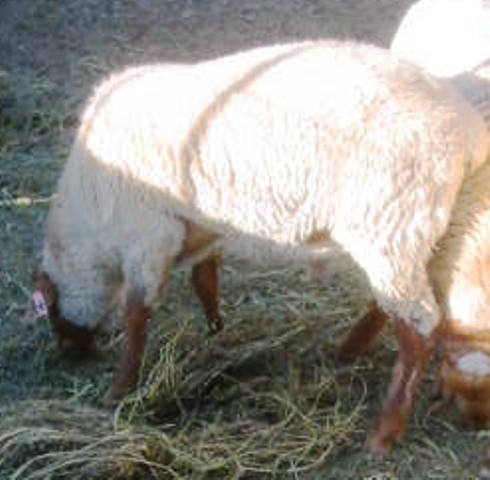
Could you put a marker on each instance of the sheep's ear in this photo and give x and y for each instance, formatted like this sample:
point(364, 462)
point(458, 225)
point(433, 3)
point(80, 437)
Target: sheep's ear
point(44, 285)
point(43, 297)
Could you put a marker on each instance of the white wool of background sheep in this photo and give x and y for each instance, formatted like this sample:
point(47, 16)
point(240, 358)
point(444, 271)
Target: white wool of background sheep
point(450, 39)
point(460, 270)
point(265, 149)
point(446, 37)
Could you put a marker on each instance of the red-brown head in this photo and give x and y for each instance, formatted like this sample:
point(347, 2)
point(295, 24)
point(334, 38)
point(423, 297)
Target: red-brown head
point(465, 376)
point(73, 339)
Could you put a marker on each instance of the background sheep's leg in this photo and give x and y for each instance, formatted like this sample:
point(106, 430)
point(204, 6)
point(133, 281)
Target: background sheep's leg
point(413, 356)
point(205, 282)
point(137, 316)
point(363, 334)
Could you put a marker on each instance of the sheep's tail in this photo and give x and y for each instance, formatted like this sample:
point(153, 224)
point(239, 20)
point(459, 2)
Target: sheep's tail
point(214, 248)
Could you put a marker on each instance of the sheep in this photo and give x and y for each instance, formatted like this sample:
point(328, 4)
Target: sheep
point(451, 39)
point(286, 154)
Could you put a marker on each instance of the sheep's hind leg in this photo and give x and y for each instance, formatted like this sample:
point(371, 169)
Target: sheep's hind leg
point(204, 272)
point(205, 283)
point(362, 336)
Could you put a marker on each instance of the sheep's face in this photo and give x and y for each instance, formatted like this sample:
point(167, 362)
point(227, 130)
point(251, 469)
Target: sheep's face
point(465, 371)
point(465, 378)
point(73, 339)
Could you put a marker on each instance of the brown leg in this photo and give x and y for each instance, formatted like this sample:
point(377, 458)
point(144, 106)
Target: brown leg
point(413, 356)
point(205, 283)
point(137, 316)
point(363, 334)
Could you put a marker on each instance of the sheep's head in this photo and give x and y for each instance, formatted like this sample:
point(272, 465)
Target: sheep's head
point(465, 370)
point(73, 339)
point(462, 280)
point(465, 375)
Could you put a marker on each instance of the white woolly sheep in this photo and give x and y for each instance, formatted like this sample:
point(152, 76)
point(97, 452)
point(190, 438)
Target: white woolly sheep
point(451, 39)
point(258, 154)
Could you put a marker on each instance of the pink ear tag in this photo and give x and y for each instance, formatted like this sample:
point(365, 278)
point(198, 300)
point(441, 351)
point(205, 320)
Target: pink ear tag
point(40, 307)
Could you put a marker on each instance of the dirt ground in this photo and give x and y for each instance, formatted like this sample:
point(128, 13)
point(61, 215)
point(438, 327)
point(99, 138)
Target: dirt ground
point(51, 55)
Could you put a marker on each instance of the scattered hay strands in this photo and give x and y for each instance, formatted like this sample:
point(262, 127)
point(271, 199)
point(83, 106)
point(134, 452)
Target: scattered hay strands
point(25, 202)
point(97, 449)
point(201, 414)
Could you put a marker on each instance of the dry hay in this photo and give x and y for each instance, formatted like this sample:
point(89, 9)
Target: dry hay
point(260, 399)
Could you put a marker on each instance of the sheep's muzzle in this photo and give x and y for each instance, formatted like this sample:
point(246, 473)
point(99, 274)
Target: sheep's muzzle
point(74, 340)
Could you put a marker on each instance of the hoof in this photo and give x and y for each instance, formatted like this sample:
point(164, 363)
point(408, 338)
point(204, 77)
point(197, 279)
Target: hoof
point(215, 326)
point(121, 388)
point(387, 432)
point(379, 446)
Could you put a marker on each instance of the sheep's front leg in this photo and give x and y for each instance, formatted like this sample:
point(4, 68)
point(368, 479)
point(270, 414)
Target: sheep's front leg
point(137, 316)
point(363, 334)
point(413, 356)
point(205, 283)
